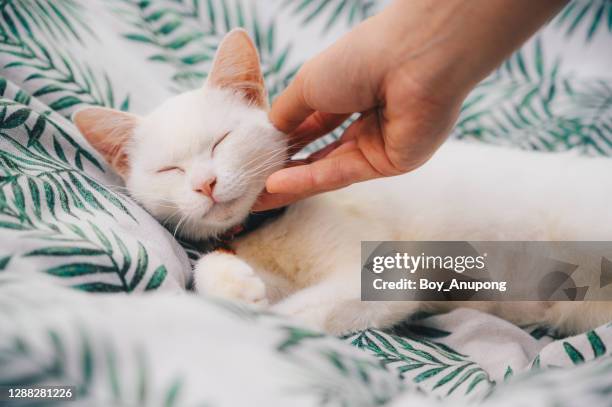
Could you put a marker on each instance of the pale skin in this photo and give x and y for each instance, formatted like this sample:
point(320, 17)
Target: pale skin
point(406, 71)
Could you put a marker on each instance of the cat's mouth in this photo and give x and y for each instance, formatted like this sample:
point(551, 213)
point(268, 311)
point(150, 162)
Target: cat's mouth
point(217, 219)
point(226, 214)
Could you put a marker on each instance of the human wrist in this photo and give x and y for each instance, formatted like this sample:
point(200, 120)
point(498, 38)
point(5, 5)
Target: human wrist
point(448, 47)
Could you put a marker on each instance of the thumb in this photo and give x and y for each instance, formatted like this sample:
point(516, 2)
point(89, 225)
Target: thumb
point(329, 173)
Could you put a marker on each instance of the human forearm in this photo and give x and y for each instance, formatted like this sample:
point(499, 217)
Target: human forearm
point(460, 41)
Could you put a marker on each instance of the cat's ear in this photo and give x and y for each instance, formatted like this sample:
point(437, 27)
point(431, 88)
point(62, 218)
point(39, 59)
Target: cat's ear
point(108, 131)
point(236, 66)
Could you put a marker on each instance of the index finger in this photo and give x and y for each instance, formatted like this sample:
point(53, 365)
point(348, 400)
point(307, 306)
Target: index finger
point(290, 109)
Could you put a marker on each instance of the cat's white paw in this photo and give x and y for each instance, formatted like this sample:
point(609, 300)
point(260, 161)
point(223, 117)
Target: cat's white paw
point(227, 276)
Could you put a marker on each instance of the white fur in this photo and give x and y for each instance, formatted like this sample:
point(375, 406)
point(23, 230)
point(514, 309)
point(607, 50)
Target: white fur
point(309, 258)
point(224, 275)
point(307, 262)
point(182, 132)
point(466, 192)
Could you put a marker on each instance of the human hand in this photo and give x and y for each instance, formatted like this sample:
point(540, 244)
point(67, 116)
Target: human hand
point(407, 71)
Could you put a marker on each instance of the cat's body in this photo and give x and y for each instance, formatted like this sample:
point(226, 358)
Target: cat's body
point(309, 259)
point(199, 161)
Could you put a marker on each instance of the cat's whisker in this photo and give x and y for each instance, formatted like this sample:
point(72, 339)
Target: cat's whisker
point(272, 159)
point(167, 221)
point(178, 225)
point(133, 193)
point(169, 204)
point(166, 206)
point(259, 157)
point(116, 188)
point(272, 152)
point(152, 197)
point(260, 169)
point(176, 210)
point(265, 167)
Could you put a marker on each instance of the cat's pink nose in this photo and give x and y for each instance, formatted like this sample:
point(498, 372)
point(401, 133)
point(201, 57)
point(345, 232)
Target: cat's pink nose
point(207, 187)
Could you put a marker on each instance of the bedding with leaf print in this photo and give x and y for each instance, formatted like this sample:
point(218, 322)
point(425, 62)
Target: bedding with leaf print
point(67, 230)
point(58, 218)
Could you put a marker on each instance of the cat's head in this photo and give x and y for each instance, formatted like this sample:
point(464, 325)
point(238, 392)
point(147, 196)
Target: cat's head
point(198, 161)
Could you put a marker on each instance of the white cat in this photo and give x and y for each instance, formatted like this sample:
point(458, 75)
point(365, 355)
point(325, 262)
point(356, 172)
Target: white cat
point(199, 161)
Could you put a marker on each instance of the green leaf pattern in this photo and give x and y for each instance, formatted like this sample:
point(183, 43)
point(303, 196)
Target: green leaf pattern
point(61, 222)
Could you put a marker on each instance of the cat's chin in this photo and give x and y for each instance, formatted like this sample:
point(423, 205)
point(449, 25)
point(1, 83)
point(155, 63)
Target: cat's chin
point(212, 228)
point(217, 221)
point(199, 229)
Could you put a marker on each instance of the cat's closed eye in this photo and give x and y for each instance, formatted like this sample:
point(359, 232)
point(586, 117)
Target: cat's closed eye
point(169, 169)
point(219, 141)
